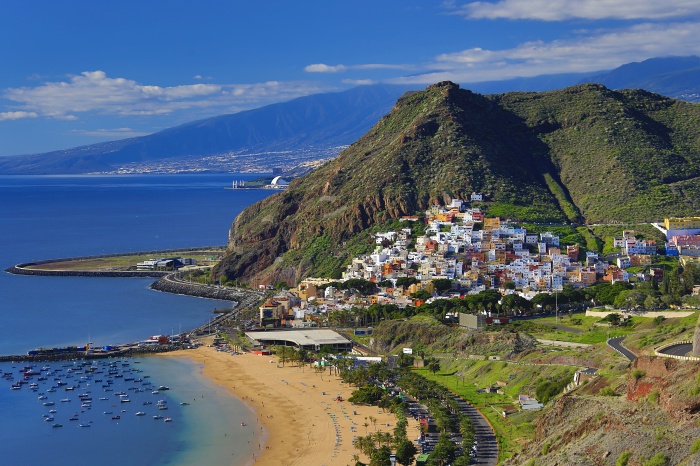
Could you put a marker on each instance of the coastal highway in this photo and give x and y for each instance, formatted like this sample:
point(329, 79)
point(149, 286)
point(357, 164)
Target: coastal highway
point(616, 344)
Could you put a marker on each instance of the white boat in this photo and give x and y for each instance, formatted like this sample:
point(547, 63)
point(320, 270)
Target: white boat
point(157, 416)
point(167, 419)
point(140, 413)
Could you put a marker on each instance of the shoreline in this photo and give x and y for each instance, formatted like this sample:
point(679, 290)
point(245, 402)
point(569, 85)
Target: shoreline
point(301, 421)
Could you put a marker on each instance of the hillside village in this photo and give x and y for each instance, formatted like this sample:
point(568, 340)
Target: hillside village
point(457, 244)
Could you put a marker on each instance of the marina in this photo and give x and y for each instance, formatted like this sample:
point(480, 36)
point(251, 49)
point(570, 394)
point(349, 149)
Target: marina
point(61, 311)
point(114, 374)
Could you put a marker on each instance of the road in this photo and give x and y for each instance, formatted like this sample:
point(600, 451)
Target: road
point(487, 445)
point(681, 349)
point(616, 344)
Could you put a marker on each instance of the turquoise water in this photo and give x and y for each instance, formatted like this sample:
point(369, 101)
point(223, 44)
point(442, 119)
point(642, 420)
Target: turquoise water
point(51, 217)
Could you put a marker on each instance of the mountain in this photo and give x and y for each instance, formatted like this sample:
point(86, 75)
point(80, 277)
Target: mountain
point(677, 77)
point(312, 128)
point(584, 154)
point(319, 122)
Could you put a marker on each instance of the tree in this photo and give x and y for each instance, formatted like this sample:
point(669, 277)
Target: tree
point(381, 457)
point(283, 354)
point(373, 420)
point(420, 294)
point(433, 365)
point(442, 284)
point(444, 451)
point(405, 452)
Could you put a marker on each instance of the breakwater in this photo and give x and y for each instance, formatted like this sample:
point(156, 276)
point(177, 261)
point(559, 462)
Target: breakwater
point(20, 269)
point(170, 283)
point(69, 356)
point(25, 267)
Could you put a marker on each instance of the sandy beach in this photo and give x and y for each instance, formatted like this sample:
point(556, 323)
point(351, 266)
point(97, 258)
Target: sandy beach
point(297, 409)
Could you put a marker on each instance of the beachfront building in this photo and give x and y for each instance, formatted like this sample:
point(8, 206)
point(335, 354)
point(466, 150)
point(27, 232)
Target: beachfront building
point(311, 340)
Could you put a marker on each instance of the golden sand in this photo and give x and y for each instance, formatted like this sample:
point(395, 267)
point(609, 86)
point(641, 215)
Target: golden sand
point(298, 408)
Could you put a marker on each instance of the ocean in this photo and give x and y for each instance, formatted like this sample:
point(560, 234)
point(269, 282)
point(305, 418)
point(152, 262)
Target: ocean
point(44, 217)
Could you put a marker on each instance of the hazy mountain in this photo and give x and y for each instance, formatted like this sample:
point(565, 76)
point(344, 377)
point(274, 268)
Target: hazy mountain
point(319, 121)
point(677, 77)
point(584, 154)
point(311, 128)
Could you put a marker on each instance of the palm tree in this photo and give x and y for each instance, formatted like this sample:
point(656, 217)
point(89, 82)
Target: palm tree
point(433, 365)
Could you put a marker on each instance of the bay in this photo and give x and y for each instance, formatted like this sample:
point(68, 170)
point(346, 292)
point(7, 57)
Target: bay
point(65, 216)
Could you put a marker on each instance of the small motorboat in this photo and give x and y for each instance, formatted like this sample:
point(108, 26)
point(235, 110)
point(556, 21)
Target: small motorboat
point(140, 413)
point(117, 417)
point(57, 425)
point(157, 416)
point(167, 419)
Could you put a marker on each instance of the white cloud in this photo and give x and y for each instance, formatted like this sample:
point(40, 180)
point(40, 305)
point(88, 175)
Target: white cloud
point(359, 82)
point(94, 91)
point(110, 133)
point(17, 115)
point(560, 10)
point(323, 68)
point(597, 50)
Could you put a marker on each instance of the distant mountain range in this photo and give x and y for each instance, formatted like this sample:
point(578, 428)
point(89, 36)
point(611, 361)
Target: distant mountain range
point(284, 135)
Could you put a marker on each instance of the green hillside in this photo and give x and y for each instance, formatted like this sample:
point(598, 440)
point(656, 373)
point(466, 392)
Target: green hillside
point(584, 154)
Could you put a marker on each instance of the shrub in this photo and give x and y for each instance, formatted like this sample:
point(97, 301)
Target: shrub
point(695, 447)
point(623, 458)
point(545, 448)
point(658, 459)
point(607, 391)
point(653, 397)
point(638, 374)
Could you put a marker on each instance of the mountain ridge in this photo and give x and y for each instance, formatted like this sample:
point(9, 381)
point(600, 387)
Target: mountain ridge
point(584, 153)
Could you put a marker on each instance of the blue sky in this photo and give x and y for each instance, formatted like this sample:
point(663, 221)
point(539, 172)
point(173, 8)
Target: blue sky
point(77, 72)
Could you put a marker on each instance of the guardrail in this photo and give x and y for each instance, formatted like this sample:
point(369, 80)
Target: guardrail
point(658, 351)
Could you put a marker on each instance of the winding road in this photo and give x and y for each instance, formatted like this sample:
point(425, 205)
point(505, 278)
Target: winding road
point(616, 344)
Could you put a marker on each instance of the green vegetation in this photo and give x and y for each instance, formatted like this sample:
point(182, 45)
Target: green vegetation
point(695, 447)
point(659, 459)
point(565, 204)
point(623, 459)
point(585, 153)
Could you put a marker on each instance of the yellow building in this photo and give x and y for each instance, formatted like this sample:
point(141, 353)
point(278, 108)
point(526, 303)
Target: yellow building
point(682, 223)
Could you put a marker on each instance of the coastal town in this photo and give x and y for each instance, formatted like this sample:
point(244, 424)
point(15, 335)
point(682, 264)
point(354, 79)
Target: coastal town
point(459, 246)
